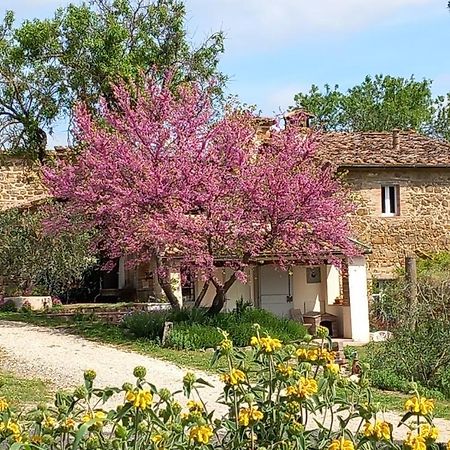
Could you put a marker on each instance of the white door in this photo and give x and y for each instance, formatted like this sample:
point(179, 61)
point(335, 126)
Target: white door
point(274, 290)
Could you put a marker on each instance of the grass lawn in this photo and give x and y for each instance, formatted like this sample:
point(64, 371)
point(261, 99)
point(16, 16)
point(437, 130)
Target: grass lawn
point(110, 334)
point(20, 391)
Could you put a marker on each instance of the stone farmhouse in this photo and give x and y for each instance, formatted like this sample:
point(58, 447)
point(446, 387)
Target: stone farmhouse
point(401, 186)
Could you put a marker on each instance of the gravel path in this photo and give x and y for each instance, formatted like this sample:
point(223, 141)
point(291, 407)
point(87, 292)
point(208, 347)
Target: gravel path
point(60, 358)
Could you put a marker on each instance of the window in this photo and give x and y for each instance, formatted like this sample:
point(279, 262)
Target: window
point(313, 275)
point(390, 200)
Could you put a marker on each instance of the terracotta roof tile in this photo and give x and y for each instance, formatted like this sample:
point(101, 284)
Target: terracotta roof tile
point(401, 148)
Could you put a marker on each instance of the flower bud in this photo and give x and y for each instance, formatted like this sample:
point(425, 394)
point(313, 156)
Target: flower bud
point(322, 332)
point(48, 439)
point(90, 375)
point(80, 392)
point(127, 387)
point(177, 427)
point(189, 379)
point(93, 443)
point(120, 432)
point(164, 394)
point(143, 426)
point(140, 372)
point(249, 398)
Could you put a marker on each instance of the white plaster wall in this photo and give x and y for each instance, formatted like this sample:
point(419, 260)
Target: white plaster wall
point(333, 284)
point(359, 304)
point(236, 291)
point(306, 295)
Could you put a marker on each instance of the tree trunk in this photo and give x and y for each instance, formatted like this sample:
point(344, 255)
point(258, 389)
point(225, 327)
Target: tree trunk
point(166, 286)
point(220, 297)
point(41, 144)
point(201, 296)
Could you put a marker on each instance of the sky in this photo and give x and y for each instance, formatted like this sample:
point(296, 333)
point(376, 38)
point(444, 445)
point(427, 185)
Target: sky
point(277, 48)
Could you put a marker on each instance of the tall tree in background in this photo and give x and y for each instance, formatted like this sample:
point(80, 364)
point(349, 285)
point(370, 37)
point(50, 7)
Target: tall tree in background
point(381, 103)
point(46, 65)
point(160, 179)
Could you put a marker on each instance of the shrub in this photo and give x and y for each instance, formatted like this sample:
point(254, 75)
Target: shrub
point(193, 327)
point(7, 306)
point(26, 307)
point(266, 409)
point(34, 260)
point(146, 324)
point(193, 337)
point(418, 349)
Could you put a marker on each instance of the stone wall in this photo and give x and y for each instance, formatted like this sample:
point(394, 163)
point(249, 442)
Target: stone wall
point(422, 226)
point(20, 183)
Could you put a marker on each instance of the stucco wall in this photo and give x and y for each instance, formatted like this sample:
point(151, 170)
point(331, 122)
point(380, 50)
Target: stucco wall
point(423, 225)
point(237, 292)
point(20, 183)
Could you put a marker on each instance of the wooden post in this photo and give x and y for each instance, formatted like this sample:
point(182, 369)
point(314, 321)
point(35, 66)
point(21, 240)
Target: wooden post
point(411, 281)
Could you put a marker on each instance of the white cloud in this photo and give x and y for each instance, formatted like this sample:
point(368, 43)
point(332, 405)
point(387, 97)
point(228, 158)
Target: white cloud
point(258, 24)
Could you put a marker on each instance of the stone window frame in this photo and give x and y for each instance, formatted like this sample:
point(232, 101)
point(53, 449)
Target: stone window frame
point(389, 203)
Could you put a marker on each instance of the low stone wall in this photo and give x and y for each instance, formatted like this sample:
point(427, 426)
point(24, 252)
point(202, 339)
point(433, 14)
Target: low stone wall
point(108, 314)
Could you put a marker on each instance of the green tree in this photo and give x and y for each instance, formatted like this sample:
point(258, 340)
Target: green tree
point(47, 65)
point(33, 260)
point(381, 103)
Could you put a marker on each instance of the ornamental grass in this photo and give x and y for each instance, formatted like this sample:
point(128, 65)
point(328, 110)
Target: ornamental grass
point(288, 397)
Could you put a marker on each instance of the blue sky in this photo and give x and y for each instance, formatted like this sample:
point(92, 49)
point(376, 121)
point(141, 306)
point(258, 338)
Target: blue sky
point(276, 48)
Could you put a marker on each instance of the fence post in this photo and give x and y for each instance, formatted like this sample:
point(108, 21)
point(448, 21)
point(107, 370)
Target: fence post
point(411, 281)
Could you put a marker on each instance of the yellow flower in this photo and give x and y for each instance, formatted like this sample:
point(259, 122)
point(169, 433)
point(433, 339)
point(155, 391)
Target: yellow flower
point(302, 354)
point(201, 434)
point(285, 370)
point(49, 422)
point(419, 405)
point(3, 404)
point(226, 345)
point(233, 378)
point(194, 406)
point(305, 387)
point(140, 398)
point(249, 416)
point(341, 444)
point(99, 417)
point(332, 368)
point(13, 428)
point(266, 344)
point(379, 430)
point(428, 432)
point(36, 439)
point(415, 442)
point(69, 423)
point(448, 445)
point(157, 438)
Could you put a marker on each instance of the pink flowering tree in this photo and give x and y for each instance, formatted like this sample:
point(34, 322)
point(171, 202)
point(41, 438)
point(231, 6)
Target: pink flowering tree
point(162, 178)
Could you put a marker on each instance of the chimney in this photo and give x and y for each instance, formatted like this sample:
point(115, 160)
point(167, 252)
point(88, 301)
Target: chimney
point(298, 117)
point(263, 125)
point(396, 139)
